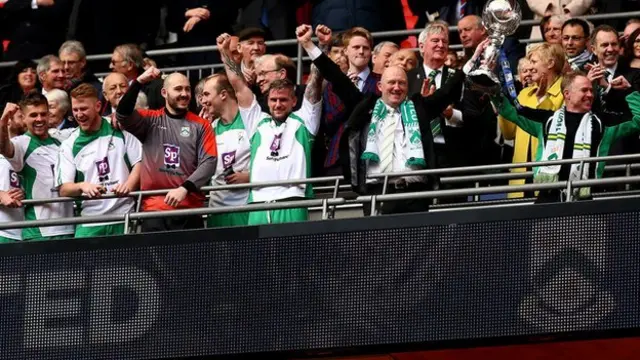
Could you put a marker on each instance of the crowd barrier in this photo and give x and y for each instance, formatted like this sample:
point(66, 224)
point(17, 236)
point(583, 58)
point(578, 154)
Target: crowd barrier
point(384, 284)
point(300, 58)
point(329, 204)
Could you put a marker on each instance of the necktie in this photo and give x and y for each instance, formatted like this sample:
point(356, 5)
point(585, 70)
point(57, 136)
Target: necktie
point(388, 136)
point(435, 123)
point(463, 4)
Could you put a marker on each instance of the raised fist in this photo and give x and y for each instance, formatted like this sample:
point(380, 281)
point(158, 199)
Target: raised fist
point(9, 110)
point(324, 34)
point(223, 41)
point(303, 33)
point(149, 75)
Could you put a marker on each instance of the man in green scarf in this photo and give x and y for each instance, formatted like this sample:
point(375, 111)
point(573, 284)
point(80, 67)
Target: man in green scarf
point(572, 132)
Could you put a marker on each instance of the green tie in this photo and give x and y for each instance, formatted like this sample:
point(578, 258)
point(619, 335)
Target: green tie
point(435, 123)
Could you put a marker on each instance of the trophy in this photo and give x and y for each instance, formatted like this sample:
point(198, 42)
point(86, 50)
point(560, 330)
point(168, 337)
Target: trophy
point(501, 18)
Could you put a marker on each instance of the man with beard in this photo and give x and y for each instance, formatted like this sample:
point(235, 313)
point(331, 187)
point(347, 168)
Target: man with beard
point(220, 103)
point(106, 159)
point(33, 156)
point(179, 150)
point(281, 141)
point(11, 193)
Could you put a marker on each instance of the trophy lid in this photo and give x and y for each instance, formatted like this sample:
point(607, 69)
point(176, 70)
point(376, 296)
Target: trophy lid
point(501, 17)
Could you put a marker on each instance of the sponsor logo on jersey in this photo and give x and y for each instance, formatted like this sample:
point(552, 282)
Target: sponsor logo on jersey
point(228, 159)
point(185, 131)
point(14, 179)
point(103, 169)
point(171, 156)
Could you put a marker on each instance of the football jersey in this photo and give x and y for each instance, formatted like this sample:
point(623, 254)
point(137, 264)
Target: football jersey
point(35, 159)
point(232, 143)
point(281, 150)
point(9, 179)
point(174, 150)
point(105, 157)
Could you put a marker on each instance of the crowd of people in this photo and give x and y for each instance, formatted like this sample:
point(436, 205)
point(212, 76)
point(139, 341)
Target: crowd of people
point(366, 108)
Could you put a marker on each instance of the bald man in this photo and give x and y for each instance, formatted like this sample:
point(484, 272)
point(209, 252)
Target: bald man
point(394, 131)
point(114, 86)
point(472, 33)
point(405, 58)
point(179, 150)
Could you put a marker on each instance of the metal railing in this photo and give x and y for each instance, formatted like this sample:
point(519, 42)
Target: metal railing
point(328, 205)
point(300, 58)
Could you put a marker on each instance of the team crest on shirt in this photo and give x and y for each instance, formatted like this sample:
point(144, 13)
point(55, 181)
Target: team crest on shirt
point(185, 131)
point(14, 179)
point(103, 169)
point(228, 159)
point(171, 156)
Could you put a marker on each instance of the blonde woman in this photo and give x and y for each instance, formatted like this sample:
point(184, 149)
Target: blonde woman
point(547, 62)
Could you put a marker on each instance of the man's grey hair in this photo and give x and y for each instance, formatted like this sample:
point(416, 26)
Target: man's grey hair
point(141, 101)
point(262, 59)
point(61, 98)
point(378, 48)
point(434, 27)
point(73, 47)
point(132, 54)
point(44, 64)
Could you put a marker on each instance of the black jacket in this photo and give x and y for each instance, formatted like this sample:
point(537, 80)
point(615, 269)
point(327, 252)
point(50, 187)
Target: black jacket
point(360, 106)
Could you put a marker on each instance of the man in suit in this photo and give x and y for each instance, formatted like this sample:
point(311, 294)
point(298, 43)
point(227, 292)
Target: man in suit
point(387, 133)
point(446, 128)
point(358, 43)
point(611, 85)
point(127, 59)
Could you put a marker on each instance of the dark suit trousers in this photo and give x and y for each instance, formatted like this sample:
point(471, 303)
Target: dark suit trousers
point(400, 206)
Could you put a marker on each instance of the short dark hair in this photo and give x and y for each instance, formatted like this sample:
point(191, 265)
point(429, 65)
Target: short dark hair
point(578, 22)
point(629, 45)
point(568, 78)
point(280, 84)
point(602, 28)
point(33, 98)
point(84, 90)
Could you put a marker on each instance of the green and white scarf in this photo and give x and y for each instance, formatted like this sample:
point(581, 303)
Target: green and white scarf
point(554, 149)
point(413, 148)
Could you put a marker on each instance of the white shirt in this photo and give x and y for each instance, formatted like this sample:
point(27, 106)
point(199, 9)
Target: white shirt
point(363, 75)
point(292, 138)
point(399, 162)
point(9, 179)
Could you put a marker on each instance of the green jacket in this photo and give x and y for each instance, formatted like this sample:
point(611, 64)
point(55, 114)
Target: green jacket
point(534, 122)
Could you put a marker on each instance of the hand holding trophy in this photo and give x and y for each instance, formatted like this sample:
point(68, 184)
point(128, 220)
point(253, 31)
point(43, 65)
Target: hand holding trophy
point(501, 18)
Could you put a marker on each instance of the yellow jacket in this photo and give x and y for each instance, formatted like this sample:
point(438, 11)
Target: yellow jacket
point(525, 143)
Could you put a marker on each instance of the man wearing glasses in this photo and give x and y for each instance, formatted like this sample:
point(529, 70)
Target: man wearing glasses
point(128, 60)
point(575, 34)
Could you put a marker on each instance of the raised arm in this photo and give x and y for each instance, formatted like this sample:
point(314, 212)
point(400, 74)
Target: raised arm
point(342, 85)
point(627, 127)
point(6, 146)
point(128, 118)
point(535, 127)
point(243, 93)
point(313, 92)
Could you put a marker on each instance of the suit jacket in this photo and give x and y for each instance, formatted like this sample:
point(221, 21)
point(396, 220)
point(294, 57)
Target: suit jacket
point(454, 136)
point(360, 106)
point(280, 15)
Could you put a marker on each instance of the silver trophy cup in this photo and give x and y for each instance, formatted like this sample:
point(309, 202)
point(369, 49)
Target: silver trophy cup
point(501, 18)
